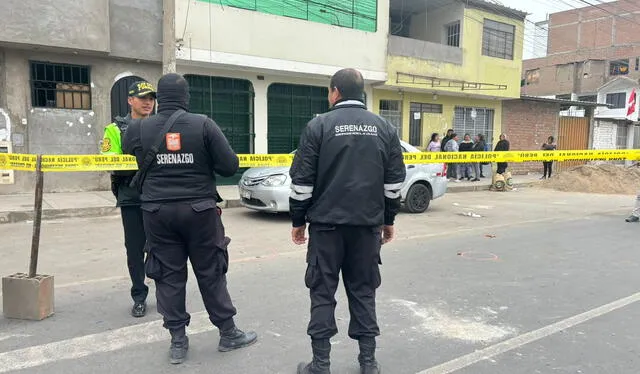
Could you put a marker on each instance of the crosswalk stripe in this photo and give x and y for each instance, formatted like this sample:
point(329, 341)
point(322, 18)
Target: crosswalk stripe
point(108, 341)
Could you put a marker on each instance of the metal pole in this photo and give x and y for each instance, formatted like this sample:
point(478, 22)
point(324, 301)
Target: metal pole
point(169, 36)
point(37, 219)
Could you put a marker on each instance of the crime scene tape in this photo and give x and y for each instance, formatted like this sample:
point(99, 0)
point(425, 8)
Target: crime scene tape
point(88, 163)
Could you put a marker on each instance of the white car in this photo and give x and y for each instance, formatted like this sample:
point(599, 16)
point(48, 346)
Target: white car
point(267, 188)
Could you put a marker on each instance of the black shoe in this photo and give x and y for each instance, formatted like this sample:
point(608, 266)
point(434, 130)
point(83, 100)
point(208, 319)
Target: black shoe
point(476, 180)
point(139, 309)
point(367, 358)
point(178, 350)
point(321, 362)
point(235, 339)
point(632, 219)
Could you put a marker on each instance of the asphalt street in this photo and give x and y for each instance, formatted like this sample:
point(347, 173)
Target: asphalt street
point(541, 282)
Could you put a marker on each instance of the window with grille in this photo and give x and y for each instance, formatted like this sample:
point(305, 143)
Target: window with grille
point(289, 108)
point(63, 86)
point(453, 34)
point(498, 39)
point(426, 108)
point(465, 123)
point(229, 102)
point(391, 110)
point(354, 14)
point(621, 136)
point(618, 100)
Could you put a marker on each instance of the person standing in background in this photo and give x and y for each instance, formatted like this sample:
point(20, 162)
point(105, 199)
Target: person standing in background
point(467, 146)
point(548, 146)
point(142, 100)
point(451, 168)
point(502, 146)
point(456, 168)
point(434, 144)
point(479, 146)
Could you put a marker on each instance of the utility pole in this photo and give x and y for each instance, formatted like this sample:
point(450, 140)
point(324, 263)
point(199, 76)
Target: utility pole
point(168, 36)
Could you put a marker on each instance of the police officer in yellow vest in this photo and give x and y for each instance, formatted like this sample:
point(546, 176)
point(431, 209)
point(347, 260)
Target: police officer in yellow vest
point(142, 98)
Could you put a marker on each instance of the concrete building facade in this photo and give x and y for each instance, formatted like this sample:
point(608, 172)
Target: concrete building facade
point(57, 75)
point(260, 70)
point(617, 126)
point(450, 64)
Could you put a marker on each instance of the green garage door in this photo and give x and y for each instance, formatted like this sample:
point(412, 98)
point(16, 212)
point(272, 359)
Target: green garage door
point(290, 107)
point(229, 102)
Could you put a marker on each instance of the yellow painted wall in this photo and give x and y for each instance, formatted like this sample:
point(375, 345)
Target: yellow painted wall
point(475, 67)
point(436, 122)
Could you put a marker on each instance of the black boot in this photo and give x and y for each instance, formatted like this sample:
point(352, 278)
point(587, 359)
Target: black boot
point(367, 358)
point(179, 346)
point(234, 338)
point(320, 363)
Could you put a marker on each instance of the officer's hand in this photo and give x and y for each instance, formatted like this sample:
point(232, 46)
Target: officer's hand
point(298, 235)
point(388, 233)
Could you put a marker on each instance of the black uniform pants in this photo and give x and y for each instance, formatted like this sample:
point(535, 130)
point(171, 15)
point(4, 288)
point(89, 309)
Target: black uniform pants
point(134, 241)
point(355, 251)
point(175, 232)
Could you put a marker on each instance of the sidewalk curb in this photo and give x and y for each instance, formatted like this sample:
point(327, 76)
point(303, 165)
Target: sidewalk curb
point(485, 187)
point(52, 214)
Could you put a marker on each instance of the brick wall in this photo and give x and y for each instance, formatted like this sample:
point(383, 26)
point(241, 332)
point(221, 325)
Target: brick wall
point(604, 135)
point(610, 24)
point(528, 124)
point(585, 34)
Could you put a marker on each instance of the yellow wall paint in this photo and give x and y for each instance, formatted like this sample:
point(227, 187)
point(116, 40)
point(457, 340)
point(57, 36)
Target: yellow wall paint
point(436, 122)
point(475, 67)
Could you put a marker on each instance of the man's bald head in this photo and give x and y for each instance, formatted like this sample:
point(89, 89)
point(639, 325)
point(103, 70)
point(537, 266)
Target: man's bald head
point(349, 83)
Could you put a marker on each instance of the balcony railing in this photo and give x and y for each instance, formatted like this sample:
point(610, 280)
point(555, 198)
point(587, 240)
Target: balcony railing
point(407, 47)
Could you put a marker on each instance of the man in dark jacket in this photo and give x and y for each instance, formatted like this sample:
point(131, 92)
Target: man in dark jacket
point(502, 146)
point(451, 168)
point(346, 179)
point(181, 217)
point(142, 99)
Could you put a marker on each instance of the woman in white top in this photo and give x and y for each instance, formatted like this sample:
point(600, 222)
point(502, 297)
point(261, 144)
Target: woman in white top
point(434, 145)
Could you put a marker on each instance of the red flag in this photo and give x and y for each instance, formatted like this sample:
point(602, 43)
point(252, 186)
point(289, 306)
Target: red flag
point(631, 103)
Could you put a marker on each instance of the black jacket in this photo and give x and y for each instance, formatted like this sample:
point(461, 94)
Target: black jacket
point(198, 149)
point(466, 147)
point(348, 169)
point(479, 146)
point(503, 145)
point(120, 179)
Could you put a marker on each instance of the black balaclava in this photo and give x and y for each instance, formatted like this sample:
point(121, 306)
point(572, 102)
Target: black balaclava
point(173, 93)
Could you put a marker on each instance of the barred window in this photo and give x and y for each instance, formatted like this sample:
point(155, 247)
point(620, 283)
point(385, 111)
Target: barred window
point(453, 34)
point(498, 39)
point(391, 110)
point(63, 86)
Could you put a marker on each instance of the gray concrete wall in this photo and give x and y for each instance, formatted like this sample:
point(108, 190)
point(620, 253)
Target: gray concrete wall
point(407, 47)
point(79, 25)
point(136, 29)
point(62, 131)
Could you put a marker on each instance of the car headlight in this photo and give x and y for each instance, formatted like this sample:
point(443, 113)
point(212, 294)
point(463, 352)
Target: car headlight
point(275, 180)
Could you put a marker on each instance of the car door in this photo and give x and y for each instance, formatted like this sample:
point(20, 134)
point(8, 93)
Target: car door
point(411, 168)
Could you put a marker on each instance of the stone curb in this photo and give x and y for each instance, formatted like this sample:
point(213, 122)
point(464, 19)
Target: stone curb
point(52, 214)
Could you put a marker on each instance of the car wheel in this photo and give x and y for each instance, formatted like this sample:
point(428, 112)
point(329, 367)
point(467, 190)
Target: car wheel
point(418, 198)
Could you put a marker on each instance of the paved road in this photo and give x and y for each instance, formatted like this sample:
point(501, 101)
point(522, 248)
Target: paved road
point(542, 282)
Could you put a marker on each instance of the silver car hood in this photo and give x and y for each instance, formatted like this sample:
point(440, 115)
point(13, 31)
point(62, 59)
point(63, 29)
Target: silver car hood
point(262, 172)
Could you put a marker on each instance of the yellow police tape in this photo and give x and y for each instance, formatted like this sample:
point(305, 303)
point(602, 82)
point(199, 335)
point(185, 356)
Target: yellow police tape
point(73, 163)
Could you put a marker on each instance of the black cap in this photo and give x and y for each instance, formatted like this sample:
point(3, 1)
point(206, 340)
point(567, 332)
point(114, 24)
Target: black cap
point(141, 89)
